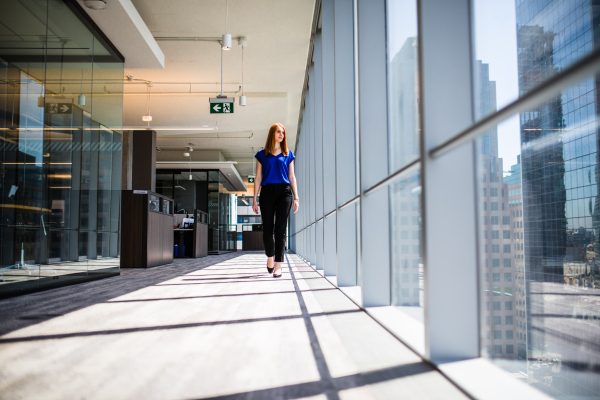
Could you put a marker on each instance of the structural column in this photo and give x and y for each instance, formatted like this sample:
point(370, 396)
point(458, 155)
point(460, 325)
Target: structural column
point(451, 297)
point(143, 160)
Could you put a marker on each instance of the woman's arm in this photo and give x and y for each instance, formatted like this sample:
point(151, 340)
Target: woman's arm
point(294, 185)
point(257, 181)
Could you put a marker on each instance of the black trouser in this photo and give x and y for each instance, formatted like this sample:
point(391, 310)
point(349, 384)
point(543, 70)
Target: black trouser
point(275, 202)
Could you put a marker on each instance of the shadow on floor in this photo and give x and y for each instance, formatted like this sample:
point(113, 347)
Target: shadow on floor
point(21, 311)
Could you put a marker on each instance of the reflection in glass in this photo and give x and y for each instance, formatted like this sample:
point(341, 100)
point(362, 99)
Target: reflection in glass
point(548, 35)
point(403, 86)
point(164, 183)
point(407, 265)
point(538, 191)
point(60, 171)
point(539, 240)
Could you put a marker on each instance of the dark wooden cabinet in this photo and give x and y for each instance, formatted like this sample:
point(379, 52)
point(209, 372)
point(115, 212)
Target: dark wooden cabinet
point(252, 240)
point(146, 229)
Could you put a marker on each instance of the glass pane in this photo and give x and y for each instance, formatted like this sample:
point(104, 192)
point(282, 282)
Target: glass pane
point(115, 212)
point(525, 42)
point(184, 193)
point(540, 232)
point(213, 176)
point(213, 220)
point(60, 168)
point(347, 246)
point(407, 264)
point(164, 184)
point(403, 89)
point(104, 179)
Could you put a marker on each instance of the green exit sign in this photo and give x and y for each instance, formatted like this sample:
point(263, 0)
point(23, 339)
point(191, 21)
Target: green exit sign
point(250, 178)
point(221, 105)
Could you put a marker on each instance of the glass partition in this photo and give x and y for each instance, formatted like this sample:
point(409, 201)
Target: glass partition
point(60, 173)
point(203, 190)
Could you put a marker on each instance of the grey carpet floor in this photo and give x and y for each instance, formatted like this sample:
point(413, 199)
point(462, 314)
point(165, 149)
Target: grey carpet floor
point(21, 311)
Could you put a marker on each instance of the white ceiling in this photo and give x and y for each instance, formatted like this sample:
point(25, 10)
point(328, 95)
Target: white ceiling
point(278, 36)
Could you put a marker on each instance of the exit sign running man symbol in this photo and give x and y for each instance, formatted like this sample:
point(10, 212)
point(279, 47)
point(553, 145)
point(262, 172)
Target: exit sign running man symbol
point(221, 108)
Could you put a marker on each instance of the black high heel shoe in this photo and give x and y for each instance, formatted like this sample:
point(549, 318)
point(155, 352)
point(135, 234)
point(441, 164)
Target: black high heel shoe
point(270, 269)
point(278, 274)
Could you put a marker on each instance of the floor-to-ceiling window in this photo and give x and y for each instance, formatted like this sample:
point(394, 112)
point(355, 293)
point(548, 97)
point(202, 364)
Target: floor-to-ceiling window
point(466, 171)
point(60, 120)
point(538, 193)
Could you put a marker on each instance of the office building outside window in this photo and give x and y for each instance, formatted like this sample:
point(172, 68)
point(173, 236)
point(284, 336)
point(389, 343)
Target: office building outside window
point(526, 248)
point(552, 197)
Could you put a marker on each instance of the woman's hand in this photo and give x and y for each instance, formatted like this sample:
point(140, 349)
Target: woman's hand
point(255, 206)
point(296, 205)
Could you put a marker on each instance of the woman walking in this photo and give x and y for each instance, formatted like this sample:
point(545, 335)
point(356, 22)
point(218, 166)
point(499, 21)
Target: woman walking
point(276, 189)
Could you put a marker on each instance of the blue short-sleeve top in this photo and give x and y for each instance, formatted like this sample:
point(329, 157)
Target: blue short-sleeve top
point(275, 168)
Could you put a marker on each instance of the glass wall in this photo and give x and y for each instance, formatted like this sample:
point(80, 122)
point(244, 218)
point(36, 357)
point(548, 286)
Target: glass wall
point(466, 191)
point(60, 119)
point(203, 190)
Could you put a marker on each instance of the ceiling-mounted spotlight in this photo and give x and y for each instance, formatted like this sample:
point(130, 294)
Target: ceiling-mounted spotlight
point(189, 154)
point(148, 117)
point(242, 42)
point(226, 41)
point(95, 4)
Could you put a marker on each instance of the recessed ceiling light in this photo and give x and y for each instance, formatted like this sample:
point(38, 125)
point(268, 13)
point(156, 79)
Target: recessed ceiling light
point(95, 4)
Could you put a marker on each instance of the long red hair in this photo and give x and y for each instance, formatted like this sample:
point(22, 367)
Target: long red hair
point(270, 145)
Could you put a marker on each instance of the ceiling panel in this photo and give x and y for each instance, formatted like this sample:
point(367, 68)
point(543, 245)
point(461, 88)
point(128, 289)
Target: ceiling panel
point(278, 35)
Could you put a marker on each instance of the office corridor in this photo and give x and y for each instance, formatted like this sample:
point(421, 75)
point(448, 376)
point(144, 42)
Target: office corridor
point(228, 330)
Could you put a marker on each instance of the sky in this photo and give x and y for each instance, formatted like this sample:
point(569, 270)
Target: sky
point(496, 45)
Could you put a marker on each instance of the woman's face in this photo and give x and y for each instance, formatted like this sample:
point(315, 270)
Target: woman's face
point(279, 135)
